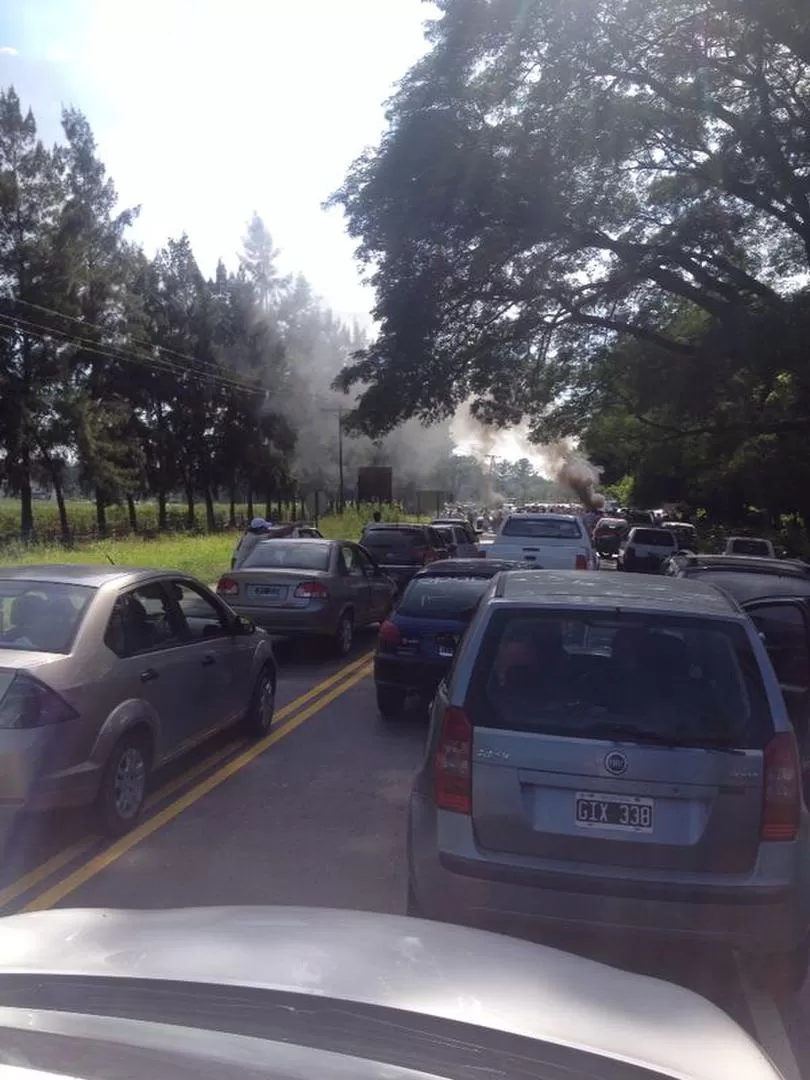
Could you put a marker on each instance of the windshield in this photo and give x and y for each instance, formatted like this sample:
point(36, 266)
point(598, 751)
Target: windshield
point(744, 546)
point(41, 616)
point(656, 677)
point(542, 528)
point(278, 554)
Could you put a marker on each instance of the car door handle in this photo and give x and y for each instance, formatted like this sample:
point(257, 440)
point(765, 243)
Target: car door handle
point(208, 660)
point(149, 675)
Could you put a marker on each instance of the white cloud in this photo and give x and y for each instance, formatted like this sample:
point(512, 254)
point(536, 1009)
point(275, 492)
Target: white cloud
point(9, 50)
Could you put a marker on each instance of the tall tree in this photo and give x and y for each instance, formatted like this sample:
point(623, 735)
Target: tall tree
point(555, 175)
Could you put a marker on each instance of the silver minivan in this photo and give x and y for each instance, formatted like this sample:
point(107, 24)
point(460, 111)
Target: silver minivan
point(613, 753)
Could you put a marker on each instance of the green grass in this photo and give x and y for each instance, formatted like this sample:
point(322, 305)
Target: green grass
point(205, 556)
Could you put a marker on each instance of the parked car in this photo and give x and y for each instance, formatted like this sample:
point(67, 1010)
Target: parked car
point(417, 641)
point(749, 545)
point(644, 550)
point(308, 992)
point(402, 549)
point(614, 754)
point(106, 673)
point(779, 605)
point(686, 537)
point(259, 529)
point(462, 541)
point(315, 588)
point(554, 540)
point(685, 564)
point(607, 535)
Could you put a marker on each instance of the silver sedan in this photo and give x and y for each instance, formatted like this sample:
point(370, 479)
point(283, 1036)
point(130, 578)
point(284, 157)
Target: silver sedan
point(321, 588)
point(107, 673)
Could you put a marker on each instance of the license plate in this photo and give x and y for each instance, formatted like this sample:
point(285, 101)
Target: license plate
point(446, 645)
point(274, 591)
point(623, 813)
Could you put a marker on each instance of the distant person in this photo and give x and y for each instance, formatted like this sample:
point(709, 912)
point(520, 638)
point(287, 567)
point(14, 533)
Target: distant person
point(376, 517)
point(257, 529)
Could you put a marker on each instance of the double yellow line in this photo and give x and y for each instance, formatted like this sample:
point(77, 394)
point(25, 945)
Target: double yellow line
point(286, 720)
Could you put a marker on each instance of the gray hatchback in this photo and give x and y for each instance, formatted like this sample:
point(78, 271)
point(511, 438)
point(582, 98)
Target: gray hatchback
point(613, 753)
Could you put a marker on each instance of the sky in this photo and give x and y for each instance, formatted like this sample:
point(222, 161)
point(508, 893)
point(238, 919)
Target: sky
point(206, 112)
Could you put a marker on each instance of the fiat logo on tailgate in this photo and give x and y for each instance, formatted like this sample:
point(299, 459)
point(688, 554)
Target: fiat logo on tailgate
point(616, 763)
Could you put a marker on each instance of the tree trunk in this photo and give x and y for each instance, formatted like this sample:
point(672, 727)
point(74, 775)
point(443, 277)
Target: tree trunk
point(279, 508)
point(101, 513)
point(191, 518)
point(210, 519)
point(163, 523)
point(26, 502)
point(232, 505)
point(250, 513)
point(293, 506)
point(132, 512)
point(268, 508)
point(64, 524)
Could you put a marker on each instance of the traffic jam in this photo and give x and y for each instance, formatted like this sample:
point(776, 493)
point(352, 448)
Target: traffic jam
point(609, 760)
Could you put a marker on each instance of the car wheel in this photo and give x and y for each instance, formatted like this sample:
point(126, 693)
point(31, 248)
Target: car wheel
point(344, 636)
point(390, 701)
point(783, 974)
point(259, 717)
point(124, 784)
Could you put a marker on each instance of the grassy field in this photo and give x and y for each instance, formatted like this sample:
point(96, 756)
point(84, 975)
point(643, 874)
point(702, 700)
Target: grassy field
point(205, 556)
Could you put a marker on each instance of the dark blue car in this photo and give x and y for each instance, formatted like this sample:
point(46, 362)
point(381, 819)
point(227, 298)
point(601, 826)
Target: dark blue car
point(417, 642)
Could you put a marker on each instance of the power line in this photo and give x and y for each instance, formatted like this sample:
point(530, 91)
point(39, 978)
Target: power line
point(42, 332)
point(94, 326)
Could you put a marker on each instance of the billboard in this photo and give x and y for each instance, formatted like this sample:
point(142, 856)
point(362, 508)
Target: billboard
point(374, 484)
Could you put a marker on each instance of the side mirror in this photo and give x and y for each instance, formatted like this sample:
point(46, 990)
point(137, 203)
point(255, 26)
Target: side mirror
point(243, 627)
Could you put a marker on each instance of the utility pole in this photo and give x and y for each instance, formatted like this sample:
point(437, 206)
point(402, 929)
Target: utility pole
point(339, 411)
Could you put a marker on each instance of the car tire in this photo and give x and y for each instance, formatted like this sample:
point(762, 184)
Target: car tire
point(259, 718)
point(390, 701)
point(344, 635)
point(122, 793)
point(783, 974)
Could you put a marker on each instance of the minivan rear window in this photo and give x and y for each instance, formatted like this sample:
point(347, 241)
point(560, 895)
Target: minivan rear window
point(651, 678)
point(653, 537)
point(542, 528)
point(442, 598)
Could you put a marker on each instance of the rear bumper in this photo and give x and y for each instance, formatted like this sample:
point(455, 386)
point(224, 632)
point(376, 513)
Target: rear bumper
point(288, 622)
point(409, 673)
point(38, 770)
point(452, 879)
point(646, 565)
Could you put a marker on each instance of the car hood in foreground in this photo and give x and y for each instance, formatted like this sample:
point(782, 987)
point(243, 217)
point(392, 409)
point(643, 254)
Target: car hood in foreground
point(432, 969)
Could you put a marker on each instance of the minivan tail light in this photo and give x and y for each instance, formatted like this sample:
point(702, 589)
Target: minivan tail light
point(228, 587)
point(781, 788)
point(28, 703)
point(311, 590)
point(452, 763)
point(581, 562)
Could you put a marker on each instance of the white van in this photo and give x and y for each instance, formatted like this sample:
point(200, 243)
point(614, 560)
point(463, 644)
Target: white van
point(550, 541)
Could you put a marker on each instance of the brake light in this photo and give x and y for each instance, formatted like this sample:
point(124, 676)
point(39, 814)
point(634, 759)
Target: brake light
point(581, 562)
point(29, 704)
point(781, 788)
point(312, 590)
point(452, 764)
point(228, 587)
point(390, 637)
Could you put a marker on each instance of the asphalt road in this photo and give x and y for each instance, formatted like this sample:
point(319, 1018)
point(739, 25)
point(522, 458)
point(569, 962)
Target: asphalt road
point(314, 814)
